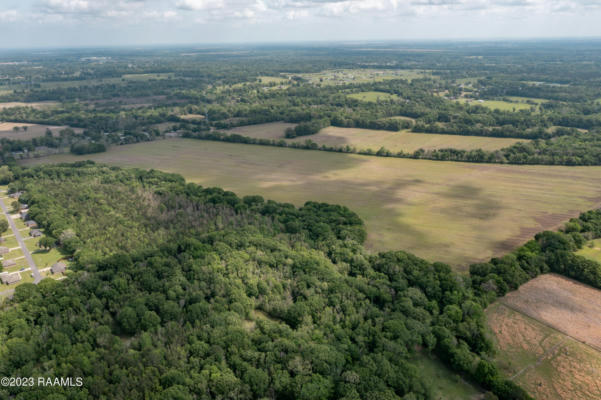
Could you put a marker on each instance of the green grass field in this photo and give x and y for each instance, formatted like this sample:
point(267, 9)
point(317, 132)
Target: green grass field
point(45, 258)
point(520, 99)
point(591, 250)
point(498, 104)
point(271, 130)
point(373, 97)
point(346, 76)
point(272, 79)
point(147, 77)
point(10, 241)
point(406, 141)
point(443, 382)
point(363, 139)
point(452, 212)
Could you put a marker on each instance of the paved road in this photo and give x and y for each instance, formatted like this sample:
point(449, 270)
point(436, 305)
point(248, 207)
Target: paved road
point(34, 269)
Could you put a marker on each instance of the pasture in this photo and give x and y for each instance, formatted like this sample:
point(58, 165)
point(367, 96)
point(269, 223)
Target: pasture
point(520, 99)
point(39, 104)
point(592, 250)
point(272, 79)
point(346, 76)
point(498, 104)
point(364, 139)
point(453, 212)
point(32, 130)
point(373, 97)
point(271, 130)
point(544, 361)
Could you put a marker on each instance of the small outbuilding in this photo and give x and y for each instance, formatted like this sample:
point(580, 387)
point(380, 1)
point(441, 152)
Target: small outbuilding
point(58, 268)
point(4, 249)
point(8, 263)
point(35, 233)
point(8, 279)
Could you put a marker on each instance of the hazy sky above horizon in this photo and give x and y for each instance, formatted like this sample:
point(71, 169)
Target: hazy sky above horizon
point(39, 23)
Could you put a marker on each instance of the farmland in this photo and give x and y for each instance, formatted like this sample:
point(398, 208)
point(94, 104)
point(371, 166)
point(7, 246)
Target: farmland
point(363, 139)
point(498, 104)
point(32, 130)
point(272, 130)
point(434, 209)
point(405, 141)
point(39, 104)
point(545, 361)
point(565, 305)
point(345, 76)
point(373, 97)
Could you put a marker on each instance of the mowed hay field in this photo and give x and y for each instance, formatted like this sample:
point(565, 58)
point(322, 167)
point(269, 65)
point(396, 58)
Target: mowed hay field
point(498, 104)
point(563, 304)
point(271, 130)
point(363, 139)
point(544, 361)
point(453, 212)
point(33, 130)
point(373, 97)
point(39, 104)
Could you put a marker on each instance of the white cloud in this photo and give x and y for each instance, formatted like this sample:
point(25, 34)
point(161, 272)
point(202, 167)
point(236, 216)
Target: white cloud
point(8, 15)
point(272, 11)
point(197, 5)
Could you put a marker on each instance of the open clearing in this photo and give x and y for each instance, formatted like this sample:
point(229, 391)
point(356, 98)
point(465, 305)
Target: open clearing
point(545, 362)
point(563, 304)
point(272, 79)
point(40, 104)
point(443, 382)
point(498, 104)
point(363, 139)
point(521, 99)
point(33, 130)
point(592, 250)
point(346, 76)
point(271, 130)
point(373, 97)
point(452, 212)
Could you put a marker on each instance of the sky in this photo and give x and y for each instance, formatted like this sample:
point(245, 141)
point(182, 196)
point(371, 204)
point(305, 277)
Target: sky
point(75, 23)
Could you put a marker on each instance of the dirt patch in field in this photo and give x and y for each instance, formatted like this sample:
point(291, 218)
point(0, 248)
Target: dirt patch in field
point(566, 305)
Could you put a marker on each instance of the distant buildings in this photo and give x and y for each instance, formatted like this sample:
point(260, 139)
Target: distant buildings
point(58, 268)
point(9, 279)
point(8, 263)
